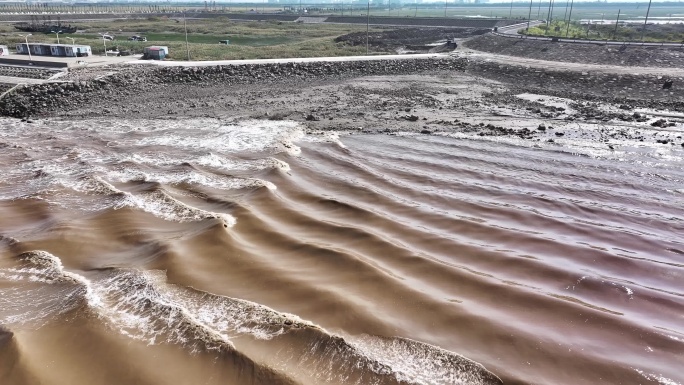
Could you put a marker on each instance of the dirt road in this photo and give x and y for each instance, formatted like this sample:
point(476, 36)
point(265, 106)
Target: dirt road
point(565, 66)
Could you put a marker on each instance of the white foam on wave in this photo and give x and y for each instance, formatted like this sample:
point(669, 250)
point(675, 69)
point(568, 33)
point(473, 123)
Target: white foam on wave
point(235, 316)
point(255, 136)
point(157, 203)
point(658, 377)
point(161, 205)
point(225, 164)
point(137, 304)
point(212, 160)
point(126, 301)
point(581, 282)
point(107, 147)
point(258, 135)
point(190, 177)
point(107, 160)
point(38, 306)
point(418, 363)
point(143, 307)
point(119, 152)
point(138, 309)
point(325, 137)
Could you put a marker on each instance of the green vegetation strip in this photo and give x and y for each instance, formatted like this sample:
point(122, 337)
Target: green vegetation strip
point(660, 33)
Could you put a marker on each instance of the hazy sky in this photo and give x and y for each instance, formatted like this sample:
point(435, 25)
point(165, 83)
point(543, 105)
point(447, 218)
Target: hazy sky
point(218, 2)
point(593, 1)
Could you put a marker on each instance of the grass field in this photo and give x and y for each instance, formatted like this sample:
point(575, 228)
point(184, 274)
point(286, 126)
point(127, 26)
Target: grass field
point(248, 40)
point(260, 40)
point(519, 9)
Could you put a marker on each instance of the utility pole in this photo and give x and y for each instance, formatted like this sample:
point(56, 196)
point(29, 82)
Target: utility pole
point(548, 16)
point(529, 17)
point(539, 9)
point(616, 24)
point(57, 33)
point(567, 29)
point(367, 25)
point(104, 42)
point(510, 13)
point(28, 48)
point(643, 31)
point(187, 45)
point(446, 2)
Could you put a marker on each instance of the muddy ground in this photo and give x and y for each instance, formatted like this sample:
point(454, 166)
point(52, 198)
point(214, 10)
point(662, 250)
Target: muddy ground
point(427, 96)
point(632, 56)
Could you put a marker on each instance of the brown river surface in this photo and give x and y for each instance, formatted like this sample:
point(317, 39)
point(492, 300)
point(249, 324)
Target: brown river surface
point(208, 252)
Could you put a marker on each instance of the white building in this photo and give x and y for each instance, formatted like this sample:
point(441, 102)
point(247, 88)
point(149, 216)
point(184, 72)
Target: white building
point(70, 50)
point(63, 50)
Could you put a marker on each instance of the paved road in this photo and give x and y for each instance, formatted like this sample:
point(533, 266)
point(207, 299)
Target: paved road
point(512, 32)
point(290, 60)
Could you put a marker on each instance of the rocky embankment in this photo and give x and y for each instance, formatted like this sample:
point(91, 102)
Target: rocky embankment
point(5, 87)
point(42, 99)
point(631, 56)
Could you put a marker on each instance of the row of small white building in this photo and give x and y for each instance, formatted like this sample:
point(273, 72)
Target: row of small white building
point(41, 49)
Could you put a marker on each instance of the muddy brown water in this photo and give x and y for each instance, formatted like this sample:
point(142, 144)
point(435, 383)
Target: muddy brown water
point(207, 252)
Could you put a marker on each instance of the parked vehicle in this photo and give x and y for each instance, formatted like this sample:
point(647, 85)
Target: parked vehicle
point(155, 53)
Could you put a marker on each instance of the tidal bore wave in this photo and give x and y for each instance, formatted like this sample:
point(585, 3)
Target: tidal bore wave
point(252, 253)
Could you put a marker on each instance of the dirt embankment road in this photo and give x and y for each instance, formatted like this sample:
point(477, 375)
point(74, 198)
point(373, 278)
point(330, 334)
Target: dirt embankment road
point(597, 54)
point(474, 54)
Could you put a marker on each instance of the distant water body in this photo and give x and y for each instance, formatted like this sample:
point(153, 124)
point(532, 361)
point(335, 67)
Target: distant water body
point(206, 252)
